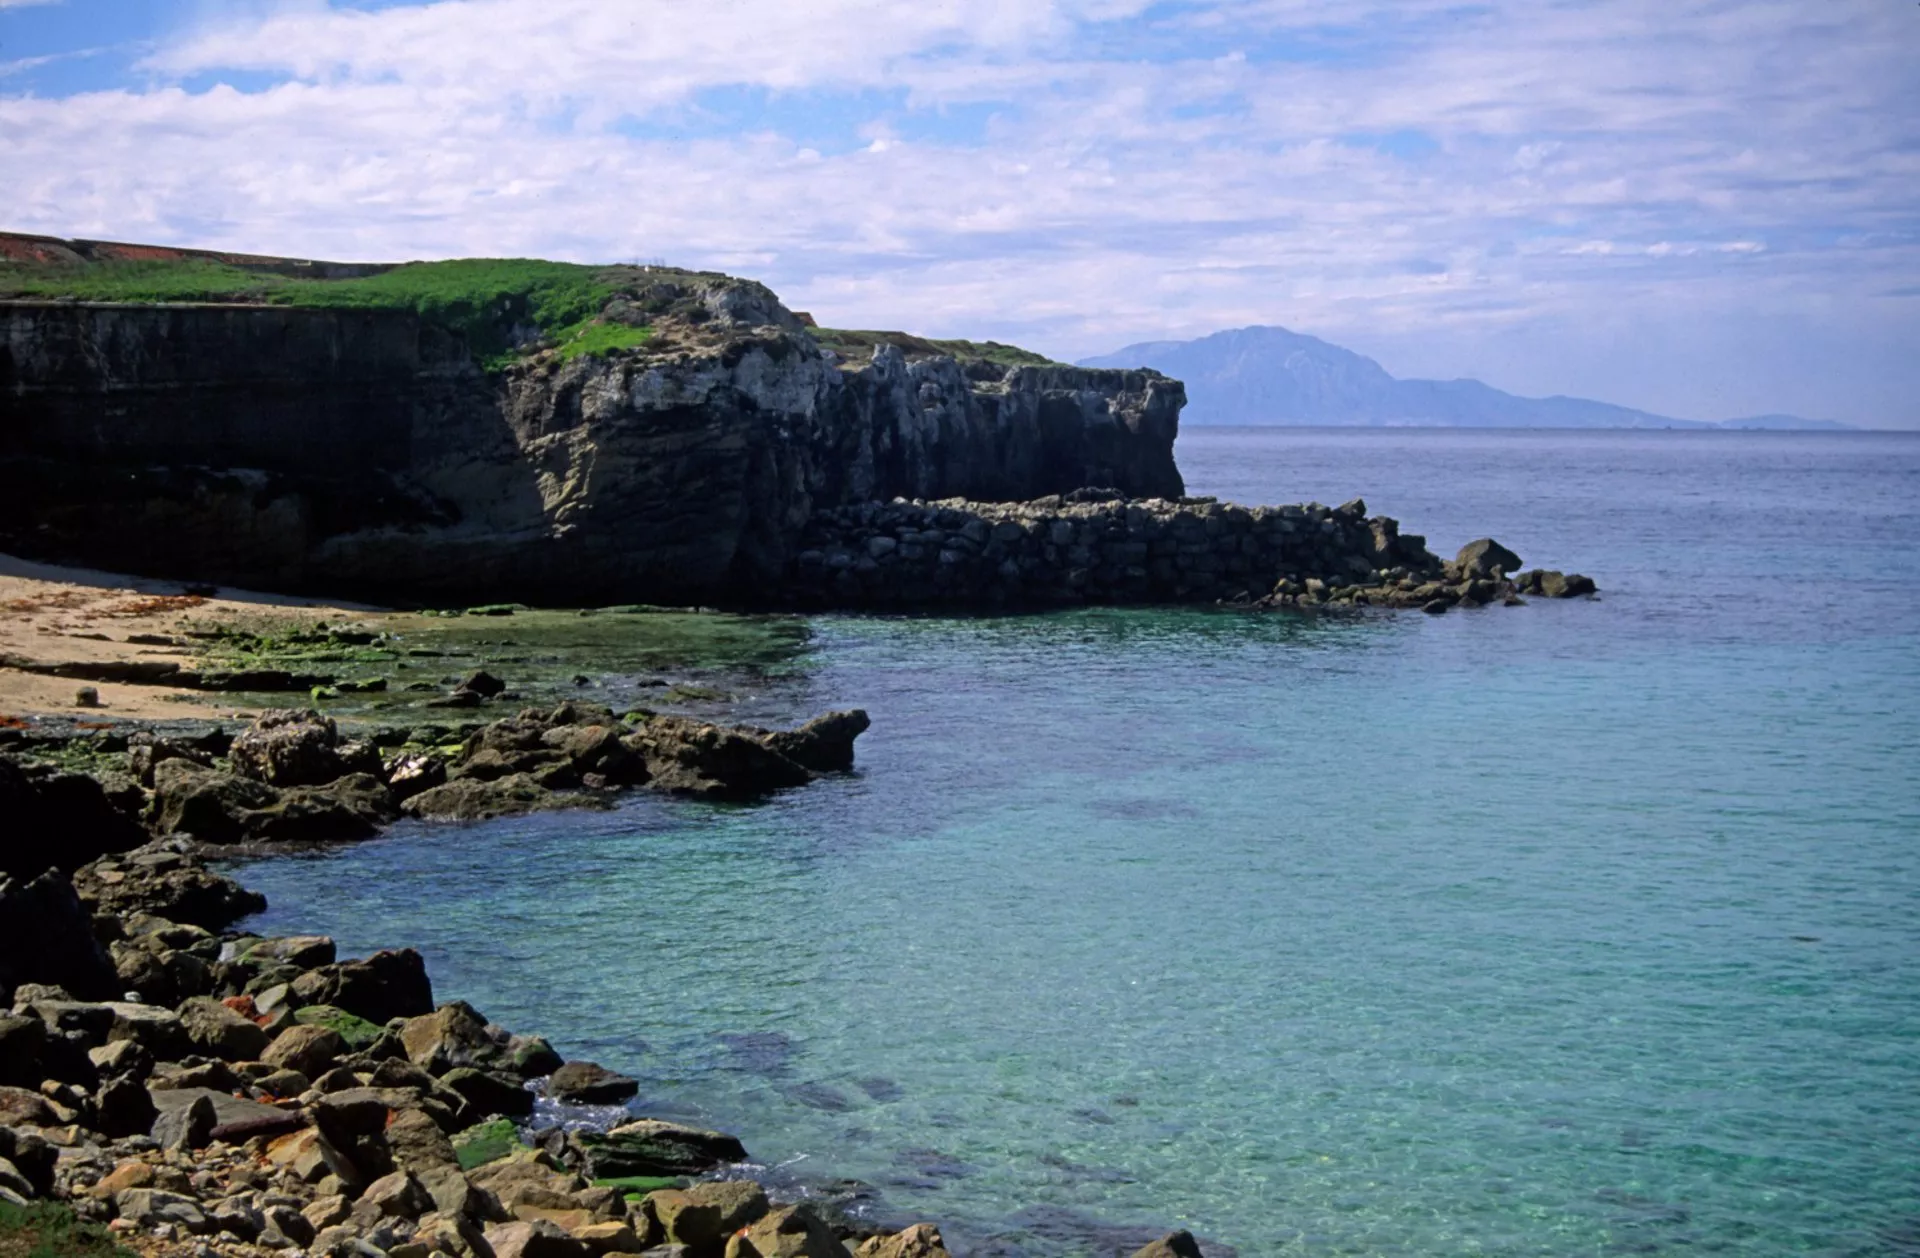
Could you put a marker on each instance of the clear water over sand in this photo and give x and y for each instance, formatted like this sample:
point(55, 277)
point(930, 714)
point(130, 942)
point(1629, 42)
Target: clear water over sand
point(1579, 928)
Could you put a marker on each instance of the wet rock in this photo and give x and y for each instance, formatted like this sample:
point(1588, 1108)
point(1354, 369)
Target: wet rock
point(218, 1030)
point(409, 775)
point(1172, 1245)
point(1550, 584)
point(653, 1147)
point(46, 936)
point(1484, 558)
point(587, 1083)
point(490, 1093)
point(824, 744)
point(688, 757)
point(188, 1126)
point(163, 883)
point(531, 1057)
point(289, 747)
point(386, 985)
point(470, 799)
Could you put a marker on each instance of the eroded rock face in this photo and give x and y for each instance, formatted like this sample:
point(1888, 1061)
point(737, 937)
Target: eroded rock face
point(389, 465)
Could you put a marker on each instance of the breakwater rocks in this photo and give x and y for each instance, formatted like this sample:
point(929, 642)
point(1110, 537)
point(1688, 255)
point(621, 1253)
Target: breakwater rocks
point(1099, 546)
point(198, 1090)
point(364, 453)
point(293, 777)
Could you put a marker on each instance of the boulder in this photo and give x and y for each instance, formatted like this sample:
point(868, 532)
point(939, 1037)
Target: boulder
point(588, 1083)
point(689, 757)
point(309, 1049)
point(417, 1144)
point(58, 820)
point(236, 1119)
point(352, 807)
point(451, 1036)
point(384, 986)
point(123, 1107)
point(1172, 1245)
point(703, 1216)
point(489, 1093)
point(653, 1147)
point(409, 775)
point(21, 1041)
point(1484, 558)
point(211, 806)
point(303, 951)
point(166, 884)
point(188, 1126)
point(358, 1033)
point(219, 1031)
point(32, 1155)
point(922, 1240)
point(470, 799)
point(537, 1239)
point(481, 683)
point(824, 744)
point(789, 1232)
point(151, 1207)
point(20, 1107)
point(289, 747)
point(46, 936)
point(396, 1196)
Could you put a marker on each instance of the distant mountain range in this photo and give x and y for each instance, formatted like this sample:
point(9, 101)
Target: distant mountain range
point(1264, 375)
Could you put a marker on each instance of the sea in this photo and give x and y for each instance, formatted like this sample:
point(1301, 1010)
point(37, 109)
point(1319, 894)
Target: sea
point(1586, 927)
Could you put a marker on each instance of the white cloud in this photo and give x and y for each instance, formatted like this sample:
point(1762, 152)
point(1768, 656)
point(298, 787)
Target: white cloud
point(1688, 161)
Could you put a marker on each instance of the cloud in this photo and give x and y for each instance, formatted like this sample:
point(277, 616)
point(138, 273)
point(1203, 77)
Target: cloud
point(1076, 174)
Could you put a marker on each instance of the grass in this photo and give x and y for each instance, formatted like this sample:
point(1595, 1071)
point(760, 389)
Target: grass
point(485, 300)
point(859, 345)
point(45, 1229)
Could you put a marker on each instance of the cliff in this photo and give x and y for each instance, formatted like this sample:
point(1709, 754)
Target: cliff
point(367, 451)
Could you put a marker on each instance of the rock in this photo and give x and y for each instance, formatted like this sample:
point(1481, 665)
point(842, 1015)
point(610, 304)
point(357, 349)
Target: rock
point(46, 936)
point(451, 1036)
point(288, 747)
point(689, 757)
point(531, 1057)
point(236, 1119)
point(211, 806)
point(311, 1157)
point(22, 1108)
point(185, 1127)
point(922, 1240)
point(123, 1107)
point(469, 799)
point(150, 1208)
point(386, 985)
point(653, 1147)
point(586, 1083)
point(824, 744)
point(302, 951)
point(489, 1093)
point(481, 683)
point(789, 1232)
point(358, 1034)
point(409, 775)
point(309, 1049)
point(351, 807)
point(21, 1042)
point(219, 1031)
point(14, 1188)
point(1484, 558)
point(1172, 1245)
point(325, 1212)
point(57, 821)
point(1550, 584)
point(702, 1216)
point(417, 1143)
point(612, 1237)
point(397, 1196)
point(538, 1239)
point(1437, 607)
point(167, 885)
point(158, 1031)
point(487, 1142)
point(32, 1155)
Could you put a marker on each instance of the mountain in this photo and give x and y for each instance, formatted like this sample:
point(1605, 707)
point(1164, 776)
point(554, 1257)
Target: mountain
point(1263, 375)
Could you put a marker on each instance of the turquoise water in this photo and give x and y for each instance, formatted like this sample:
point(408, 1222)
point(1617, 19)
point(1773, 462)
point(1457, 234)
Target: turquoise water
point(1578, 928)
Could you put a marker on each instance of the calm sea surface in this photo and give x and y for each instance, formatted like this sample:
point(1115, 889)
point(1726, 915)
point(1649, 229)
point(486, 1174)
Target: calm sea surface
point(1578, 928)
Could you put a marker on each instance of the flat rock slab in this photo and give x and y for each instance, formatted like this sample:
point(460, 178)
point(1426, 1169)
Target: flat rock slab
point(234, 1117)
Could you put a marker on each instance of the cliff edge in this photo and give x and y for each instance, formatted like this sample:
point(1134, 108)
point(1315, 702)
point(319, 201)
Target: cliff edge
point(483, 431)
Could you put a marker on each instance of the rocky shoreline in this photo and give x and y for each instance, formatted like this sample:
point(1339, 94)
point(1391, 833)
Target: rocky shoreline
point(1100, 546)
point(202, 1091)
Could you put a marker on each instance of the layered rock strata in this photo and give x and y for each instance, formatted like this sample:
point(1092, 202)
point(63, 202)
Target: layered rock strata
point(364, 453)
point(1096, 546)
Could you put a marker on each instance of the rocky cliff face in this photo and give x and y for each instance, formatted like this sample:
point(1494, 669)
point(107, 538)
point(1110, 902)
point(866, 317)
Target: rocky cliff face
point(363, 452)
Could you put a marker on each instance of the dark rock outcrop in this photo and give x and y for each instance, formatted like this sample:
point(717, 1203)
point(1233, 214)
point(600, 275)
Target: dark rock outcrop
point(364, 452)
point(46, 936)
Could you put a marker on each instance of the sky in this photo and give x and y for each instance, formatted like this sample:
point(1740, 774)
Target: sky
point(1702, 208)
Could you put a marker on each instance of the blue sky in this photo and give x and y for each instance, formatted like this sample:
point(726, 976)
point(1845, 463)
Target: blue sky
point(1706, 208)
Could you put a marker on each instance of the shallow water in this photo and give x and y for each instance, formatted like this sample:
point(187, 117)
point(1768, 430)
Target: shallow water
point(1579, 928)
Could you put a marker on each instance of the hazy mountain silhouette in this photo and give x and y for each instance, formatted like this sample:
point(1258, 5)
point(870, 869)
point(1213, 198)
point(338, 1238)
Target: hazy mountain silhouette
point(1263, 375)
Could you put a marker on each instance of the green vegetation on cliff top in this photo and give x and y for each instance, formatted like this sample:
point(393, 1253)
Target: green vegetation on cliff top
point(491, 302)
